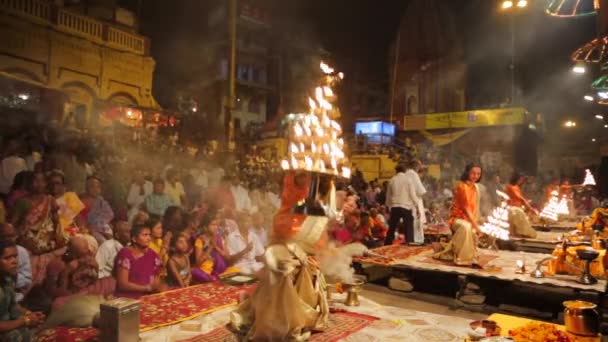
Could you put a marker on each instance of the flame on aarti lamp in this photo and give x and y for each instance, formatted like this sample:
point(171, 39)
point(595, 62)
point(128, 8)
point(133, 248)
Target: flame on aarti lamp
point(589, 179)
point(312, 103)
point(284, 164)
point(551, 210)
point(314, 135)
point(326, 68)
point(497, 224)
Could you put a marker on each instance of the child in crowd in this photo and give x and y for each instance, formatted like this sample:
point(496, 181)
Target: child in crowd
point(210, 255)
point(14, 323)
point(156, 238)
point(178, 266)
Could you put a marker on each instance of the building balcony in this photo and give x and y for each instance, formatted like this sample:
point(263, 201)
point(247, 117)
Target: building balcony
point(76, 24)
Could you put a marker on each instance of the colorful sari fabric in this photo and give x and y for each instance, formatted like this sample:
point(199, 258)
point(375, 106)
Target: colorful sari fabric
point(14, 196)
point(37, 232)
point(212, 268)
point(142, 270)
point(70, 206)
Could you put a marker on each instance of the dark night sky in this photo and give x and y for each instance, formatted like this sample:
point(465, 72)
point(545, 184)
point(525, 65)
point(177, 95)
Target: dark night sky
point(358, 34)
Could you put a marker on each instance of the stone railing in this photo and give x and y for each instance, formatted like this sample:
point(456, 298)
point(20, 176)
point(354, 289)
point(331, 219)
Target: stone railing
point(30, 9)
point(80, 25)
point(125, 40)
point(76, 24)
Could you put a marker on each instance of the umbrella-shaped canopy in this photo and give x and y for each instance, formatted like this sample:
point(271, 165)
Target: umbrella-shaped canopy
point(595, 51)
point(572, 8)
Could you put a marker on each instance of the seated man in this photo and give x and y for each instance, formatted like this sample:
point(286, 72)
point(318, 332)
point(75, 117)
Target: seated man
point(246, 251)
point(24, 268)
point(109, 249)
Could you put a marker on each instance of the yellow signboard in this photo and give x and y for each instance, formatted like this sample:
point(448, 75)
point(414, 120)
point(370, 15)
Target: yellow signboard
point(468, 119)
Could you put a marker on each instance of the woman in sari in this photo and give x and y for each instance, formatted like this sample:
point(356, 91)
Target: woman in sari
point(137, 267)
point(35, 217)
point(97, 212)
point(519, 225)
point(464, 217)
point(19, 188)
point(69, 204)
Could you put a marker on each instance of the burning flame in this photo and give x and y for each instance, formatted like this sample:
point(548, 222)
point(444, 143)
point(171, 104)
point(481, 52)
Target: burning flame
point(284, 164)
point(314, 135)
point(497, 224)
point(589, 179)
point(326, 68)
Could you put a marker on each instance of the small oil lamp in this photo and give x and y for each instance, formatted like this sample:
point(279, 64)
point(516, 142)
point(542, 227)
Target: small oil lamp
point(521, 267)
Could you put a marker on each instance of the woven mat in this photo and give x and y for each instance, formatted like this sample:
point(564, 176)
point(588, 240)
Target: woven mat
point(341, 325)
point(483, 260)
point(389, 255)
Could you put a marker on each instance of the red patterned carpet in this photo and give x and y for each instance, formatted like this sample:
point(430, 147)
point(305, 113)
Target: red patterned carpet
point(387, 255)
point(341, 325)
point(168, 308)
point(62, 334)
point(163, 309)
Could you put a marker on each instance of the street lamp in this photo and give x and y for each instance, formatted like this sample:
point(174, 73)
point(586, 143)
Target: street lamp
point(579, 68)
point(569, 124)
point(599, 117)
point(508, 5)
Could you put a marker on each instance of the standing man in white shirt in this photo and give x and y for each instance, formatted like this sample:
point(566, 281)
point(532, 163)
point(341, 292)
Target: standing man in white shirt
point(402, 199)
point(139, 190)
point(412, 172)
point(241, 196)
point(10, 165)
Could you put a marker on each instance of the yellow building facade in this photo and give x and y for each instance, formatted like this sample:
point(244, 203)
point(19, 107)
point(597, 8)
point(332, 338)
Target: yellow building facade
point(95, 64)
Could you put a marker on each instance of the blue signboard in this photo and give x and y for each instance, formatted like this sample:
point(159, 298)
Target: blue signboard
point(375, 128)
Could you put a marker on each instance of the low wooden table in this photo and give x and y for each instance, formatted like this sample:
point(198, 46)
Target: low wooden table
point(508, 322)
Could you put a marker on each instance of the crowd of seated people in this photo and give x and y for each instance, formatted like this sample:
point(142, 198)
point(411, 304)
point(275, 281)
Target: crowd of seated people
point(69, 229)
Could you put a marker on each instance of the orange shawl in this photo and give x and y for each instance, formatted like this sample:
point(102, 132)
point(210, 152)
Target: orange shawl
point(465, 197)
point(286, 224)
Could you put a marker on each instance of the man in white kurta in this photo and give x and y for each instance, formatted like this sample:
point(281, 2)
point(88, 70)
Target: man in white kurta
point(418, 191)
point(241, 196)
point(236, 243)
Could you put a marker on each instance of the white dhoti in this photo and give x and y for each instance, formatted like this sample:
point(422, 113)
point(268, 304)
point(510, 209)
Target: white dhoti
point(519, 225)
point(419, 222)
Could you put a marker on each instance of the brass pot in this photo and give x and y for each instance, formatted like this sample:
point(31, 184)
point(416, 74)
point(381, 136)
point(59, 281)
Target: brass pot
point(581, 318)
point(352, 292)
